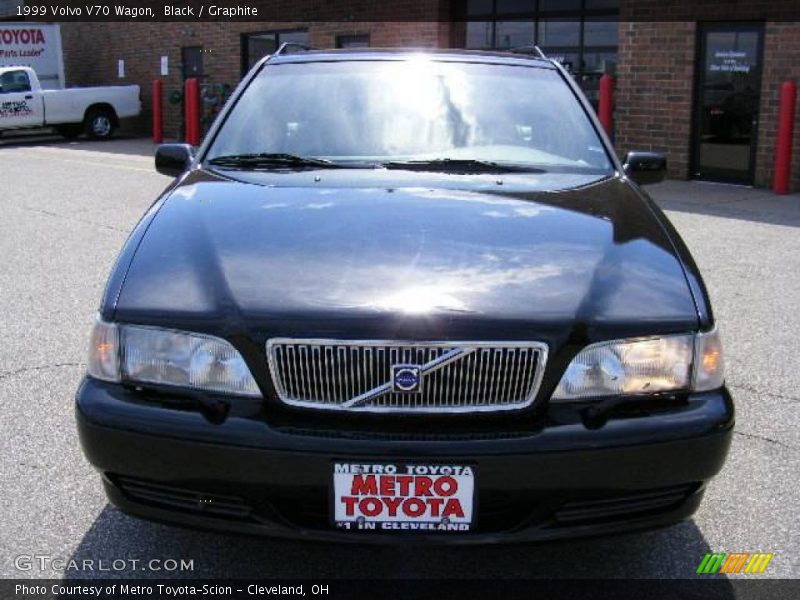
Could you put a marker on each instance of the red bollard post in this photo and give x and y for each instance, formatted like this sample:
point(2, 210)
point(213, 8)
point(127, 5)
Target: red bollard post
point(605, 102)
point(187, 110)
point(158, 121)
point(783, 142)
point(195, 85)
point(191, 98)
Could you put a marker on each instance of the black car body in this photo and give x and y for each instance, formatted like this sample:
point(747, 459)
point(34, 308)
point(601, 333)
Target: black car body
point(416, 332)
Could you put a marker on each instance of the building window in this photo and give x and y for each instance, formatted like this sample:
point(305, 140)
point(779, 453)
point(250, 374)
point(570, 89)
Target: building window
point(192, 62)
point(581, 34)
point(480, 35)
point(352, 41)
point(256, 46)
point(513, 34)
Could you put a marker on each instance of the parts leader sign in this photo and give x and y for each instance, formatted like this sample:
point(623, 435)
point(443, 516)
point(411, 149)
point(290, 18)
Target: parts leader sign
point(33, 45)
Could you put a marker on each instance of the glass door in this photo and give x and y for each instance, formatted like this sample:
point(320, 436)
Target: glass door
point(726, 102)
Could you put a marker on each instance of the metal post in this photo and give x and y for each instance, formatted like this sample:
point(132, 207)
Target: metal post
point(783, 142)
point(158, 122)
point(191, 95)
point(605, 102)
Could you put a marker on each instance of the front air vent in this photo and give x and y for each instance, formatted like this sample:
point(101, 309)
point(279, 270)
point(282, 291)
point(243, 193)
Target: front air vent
point(623, 506)
point(189, 500)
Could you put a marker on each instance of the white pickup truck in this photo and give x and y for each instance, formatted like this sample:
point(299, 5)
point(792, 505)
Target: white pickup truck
point(93, 110)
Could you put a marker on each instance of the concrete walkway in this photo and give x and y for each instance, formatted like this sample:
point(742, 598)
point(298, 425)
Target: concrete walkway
point(727, 201)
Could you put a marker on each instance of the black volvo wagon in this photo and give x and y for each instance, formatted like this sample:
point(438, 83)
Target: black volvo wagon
point(406, 296)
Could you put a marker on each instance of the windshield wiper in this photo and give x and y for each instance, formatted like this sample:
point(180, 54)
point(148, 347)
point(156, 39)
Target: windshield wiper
point(460, 165)
point(272, 160)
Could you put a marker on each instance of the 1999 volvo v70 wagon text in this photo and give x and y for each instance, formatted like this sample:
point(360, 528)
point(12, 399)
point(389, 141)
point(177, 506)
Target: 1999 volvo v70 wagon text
point(406, 296)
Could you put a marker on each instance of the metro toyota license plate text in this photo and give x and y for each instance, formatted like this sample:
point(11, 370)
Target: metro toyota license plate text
point(401, 497)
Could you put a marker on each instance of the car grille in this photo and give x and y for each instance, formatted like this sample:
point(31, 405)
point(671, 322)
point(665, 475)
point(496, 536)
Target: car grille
point(453, 376)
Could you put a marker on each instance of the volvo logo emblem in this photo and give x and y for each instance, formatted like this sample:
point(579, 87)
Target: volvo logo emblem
point(406, 379)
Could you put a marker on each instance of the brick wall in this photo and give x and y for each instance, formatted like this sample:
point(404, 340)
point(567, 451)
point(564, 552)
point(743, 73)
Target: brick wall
point(655, 72)
point(654, 99)
point(654, 92)
point(781, 63)
point(91, 51)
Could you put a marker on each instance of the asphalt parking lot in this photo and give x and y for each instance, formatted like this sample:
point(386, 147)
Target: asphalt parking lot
point(66, 210)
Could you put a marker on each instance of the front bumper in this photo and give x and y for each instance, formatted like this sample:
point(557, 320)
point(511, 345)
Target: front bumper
point(563, 479)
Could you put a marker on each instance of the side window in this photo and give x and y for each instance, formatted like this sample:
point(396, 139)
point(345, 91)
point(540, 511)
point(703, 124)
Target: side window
point(14, 81)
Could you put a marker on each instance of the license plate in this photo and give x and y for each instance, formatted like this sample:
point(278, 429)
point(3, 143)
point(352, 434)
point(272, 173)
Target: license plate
point(393, 497)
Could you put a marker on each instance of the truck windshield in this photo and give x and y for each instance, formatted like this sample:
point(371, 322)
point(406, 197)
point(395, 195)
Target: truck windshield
point(419, 110)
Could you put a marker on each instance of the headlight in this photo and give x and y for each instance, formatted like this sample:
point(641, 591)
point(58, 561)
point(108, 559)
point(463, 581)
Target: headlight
point(166, 357)
point(643, 366)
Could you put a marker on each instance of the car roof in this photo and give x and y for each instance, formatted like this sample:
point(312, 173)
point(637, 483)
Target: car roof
point(391, 54)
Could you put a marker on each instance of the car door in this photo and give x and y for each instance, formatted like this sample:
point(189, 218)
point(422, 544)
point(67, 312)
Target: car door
point(20, 105)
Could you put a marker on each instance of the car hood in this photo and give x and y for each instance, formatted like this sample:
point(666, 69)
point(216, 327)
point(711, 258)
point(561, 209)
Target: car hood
point(315, 256)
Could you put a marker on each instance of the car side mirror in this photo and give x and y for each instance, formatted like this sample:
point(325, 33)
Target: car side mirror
point(173, 159)
point(645, 167)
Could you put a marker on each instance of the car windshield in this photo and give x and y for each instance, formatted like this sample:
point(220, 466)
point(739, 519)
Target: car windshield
point(391, 111)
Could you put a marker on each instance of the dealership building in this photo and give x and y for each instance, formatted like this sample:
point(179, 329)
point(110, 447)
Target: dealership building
point(699, 81)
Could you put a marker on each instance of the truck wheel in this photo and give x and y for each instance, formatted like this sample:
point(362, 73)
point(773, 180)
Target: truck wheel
point(69, 131)
point(99, 124)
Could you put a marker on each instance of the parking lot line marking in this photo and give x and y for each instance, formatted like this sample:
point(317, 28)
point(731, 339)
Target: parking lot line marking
point(85, 162)
point(87, 153)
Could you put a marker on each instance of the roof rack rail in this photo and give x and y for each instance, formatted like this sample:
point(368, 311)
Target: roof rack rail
point(532, 49)
point(282, 49)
